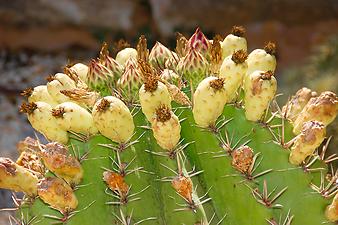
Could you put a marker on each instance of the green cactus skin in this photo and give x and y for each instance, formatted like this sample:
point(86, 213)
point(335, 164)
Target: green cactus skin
point(90, 199)
point(231, 194)
point(275, 192)
point(273, 157)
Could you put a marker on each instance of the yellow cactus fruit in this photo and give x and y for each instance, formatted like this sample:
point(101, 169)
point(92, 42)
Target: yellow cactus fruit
point(58, 194)
point(260, 88)
point(305, 143)
point(166, 128)
point(113, 119)
point(40, 116)
point(72, 117)
point(322, 108)
point(17, 178)
point(209, 100)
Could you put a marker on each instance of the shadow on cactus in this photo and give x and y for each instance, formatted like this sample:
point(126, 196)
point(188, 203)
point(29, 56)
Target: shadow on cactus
point(187, 137)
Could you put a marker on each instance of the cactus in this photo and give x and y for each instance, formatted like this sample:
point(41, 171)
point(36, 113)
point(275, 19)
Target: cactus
point(208, 147)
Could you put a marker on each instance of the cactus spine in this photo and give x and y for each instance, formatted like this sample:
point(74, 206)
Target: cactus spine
point(197, 160)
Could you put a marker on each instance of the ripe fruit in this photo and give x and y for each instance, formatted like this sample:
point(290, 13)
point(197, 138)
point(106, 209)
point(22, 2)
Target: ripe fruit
point(153, 94)
point(262, 59)
point(39, 94)
point(233, 71)
point(209, 100)
point(234, 41)
point(125, 54)
point(166, 128)
point(113, 119)
point(40, 117)
point(156, 162)
point(72, 117)
point(57, 83)
point(259, 88)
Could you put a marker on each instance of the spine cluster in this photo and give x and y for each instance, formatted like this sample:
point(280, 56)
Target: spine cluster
point(204, 81)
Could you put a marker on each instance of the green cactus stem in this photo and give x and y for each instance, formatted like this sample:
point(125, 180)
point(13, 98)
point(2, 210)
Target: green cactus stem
point(177, 154)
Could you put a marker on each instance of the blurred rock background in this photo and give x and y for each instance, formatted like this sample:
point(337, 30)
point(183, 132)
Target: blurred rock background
point(38, 37)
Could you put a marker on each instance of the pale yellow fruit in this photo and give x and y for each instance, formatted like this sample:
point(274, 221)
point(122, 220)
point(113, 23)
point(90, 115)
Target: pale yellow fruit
point(208, 102)
point(151, 100)
point(61, 82)
point(312, 135)
point(113, 119)
point(72, 117)
point(17, 178)
point(58, 160)
point(58, 194)
point(167, 133)
point(233, 75)
point(297, 103)
point(323, 108)
point(125, 54)
point(331, 212)
point(260, 88)
point(81, 71)
point(259, 59)
point(232, 43)
point(41, 94)
point(42, 120)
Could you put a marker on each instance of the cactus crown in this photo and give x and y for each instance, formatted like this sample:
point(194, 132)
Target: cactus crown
point(239, 56)
point(188, 148)
point(266, 75)
point(198, 41)
point(163, 113)
point(238, 31)
point(150, 84)
point(72, 74)
point(28, 107)
point(216, 50)
point(181, 43)
point(27, 92)
point(142, 50)
point(104, 52)
point(271, 48)
point(217, 84)
point(58, 112)
point(50, 78)
point(103, 105)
